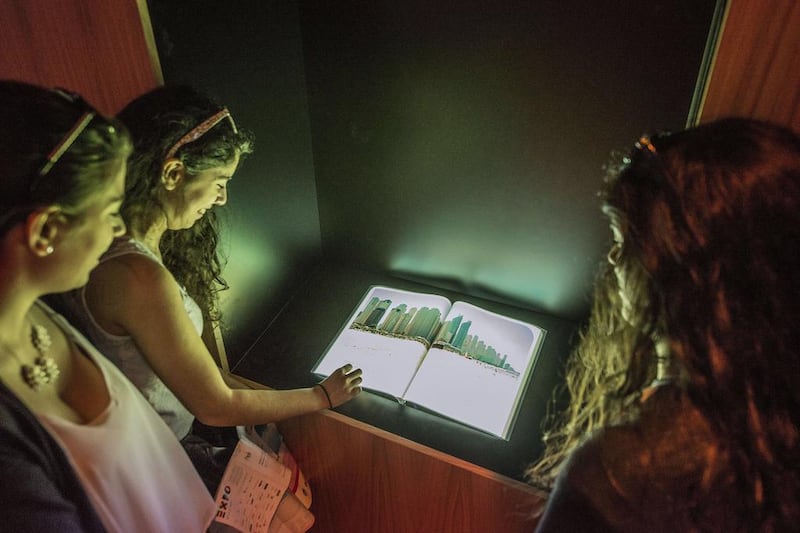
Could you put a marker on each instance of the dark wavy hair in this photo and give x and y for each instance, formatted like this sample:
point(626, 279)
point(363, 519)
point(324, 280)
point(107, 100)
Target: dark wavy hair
point(710, 225)
point(33, 121)
point(157, 120)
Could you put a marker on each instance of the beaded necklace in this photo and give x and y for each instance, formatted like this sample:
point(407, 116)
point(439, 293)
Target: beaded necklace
point(44, 369)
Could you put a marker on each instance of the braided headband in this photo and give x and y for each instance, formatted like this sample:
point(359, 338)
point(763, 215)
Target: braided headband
point(69, 138)
point(201, 129)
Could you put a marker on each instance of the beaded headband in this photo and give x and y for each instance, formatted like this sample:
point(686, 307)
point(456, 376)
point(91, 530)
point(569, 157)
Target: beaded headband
point(201, 129)
point(69, 138)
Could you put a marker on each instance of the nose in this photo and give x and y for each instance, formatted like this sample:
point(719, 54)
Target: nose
point(222, 196)
point(614, 254)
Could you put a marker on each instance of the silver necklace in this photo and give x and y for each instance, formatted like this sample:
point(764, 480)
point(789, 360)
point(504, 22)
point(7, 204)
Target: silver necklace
point(44, 369)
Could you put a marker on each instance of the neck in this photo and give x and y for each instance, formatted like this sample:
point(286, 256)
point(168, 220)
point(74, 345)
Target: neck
point(18, 292)
point(151, 237)
point(14, 325)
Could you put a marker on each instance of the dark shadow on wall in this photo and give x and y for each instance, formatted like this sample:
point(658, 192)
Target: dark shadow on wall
point(460, 144)
point(464, 142)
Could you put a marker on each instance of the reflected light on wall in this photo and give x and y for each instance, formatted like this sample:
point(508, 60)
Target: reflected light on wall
point(513, 280)
point(247, 267)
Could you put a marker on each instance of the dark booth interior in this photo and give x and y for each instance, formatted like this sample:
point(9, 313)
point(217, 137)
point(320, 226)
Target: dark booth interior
point(453, 147)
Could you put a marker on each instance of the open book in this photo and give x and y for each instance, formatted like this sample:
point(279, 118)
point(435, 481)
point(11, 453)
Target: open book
point(455, 359)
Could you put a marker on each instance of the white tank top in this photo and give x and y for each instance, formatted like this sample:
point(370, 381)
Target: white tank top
point(122, 349)
point(134, 470)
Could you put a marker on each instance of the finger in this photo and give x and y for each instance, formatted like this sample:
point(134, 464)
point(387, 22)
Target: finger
point(353, 380)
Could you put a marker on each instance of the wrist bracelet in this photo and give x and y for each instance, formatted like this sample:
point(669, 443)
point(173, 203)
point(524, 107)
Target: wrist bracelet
point(328, 396)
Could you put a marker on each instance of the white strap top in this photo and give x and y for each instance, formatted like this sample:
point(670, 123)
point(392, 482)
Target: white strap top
point(123, 351)
point(137, 475)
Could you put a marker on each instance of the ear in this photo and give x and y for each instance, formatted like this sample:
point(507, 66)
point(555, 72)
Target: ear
point(172, 173)
point(42, 228)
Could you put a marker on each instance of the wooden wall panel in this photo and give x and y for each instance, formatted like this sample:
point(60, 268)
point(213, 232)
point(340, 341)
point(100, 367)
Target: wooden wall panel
point(365, 479)
point(756, 70)
point(99, 48)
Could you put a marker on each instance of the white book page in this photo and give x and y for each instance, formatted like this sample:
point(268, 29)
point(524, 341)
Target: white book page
point(386, 341)
point(479, 374)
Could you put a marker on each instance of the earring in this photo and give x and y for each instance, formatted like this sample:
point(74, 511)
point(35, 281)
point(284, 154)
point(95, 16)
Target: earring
point(44, 249)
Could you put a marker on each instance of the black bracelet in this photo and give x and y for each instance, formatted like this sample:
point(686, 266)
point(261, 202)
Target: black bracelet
point(328, 396)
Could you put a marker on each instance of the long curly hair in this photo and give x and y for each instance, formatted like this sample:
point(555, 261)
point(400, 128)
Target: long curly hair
point(710, 226)
point(157, 120)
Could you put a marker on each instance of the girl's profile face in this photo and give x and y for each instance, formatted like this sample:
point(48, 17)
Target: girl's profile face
point(89, 236)
point(201, 192)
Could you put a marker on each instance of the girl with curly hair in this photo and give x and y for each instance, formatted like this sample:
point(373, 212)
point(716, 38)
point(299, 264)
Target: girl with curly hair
point(146, 302)
point(684, 410)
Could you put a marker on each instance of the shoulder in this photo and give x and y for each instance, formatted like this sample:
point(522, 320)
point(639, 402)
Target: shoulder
point(583, 495)
point(125, 288)
point(658, 459)
point(131, 275)
point(592, 492)
point(639, 475)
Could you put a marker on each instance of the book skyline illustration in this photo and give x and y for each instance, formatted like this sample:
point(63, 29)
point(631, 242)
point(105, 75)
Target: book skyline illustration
point(422, 324)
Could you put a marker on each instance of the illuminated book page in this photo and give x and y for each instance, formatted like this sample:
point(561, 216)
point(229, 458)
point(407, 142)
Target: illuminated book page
point(386, 337)
point(478, 368)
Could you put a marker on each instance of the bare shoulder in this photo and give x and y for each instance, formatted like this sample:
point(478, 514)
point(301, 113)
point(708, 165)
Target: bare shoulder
point(123, 288)
point(133, 274)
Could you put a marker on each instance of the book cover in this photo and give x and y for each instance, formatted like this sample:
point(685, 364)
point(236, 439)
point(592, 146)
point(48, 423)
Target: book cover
point(262, 488)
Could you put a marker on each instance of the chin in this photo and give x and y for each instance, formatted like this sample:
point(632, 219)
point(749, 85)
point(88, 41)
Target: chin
point(182, 225)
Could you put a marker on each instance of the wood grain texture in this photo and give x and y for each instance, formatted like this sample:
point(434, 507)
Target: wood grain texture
point(98, 48)
point(368, 480)
point(756, 70)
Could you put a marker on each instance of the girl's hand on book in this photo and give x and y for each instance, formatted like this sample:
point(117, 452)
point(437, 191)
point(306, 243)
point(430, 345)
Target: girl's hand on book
point(342, 386)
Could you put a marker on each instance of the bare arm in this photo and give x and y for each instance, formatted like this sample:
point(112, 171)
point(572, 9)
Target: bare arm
point(132, 295)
